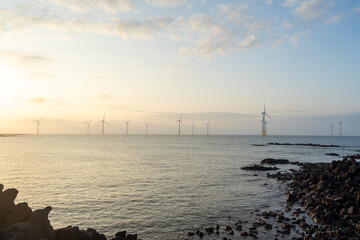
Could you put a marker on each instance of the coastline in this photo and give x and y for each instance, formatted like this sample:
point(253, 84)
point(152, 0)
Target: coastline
point(274, 220)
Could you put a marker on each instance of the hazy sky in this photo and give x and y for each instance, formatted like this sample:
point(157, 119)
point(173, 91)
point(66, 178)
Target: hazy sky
point(150, 60)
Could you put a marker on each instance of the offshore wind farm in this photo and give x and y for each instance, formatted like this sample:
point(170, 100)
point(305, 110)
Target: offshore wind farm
point(179, 119)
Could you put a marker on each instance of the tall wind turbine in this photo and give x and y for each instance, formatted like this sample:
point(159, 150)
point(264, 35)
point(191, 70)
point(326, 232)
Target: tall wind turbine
point(207, 127)
point(88, 127)
point(332, 128)
point(103, 124)
point(38, 125)
point(146, 128)
point(340, 133)
point(193, 128)
point(180, 123)
point(263, 133)
point(127, 126)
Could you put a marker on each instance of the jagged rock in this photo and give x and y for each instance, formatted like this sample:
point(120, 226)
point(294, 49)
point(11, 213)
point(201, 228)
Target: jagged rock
point(41, 224)
point(21, 212)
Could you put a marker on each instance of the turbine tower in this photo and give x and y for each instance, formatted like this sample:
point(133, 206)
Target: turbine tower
point(127, 126)
point(103, 124)
point(38, 125)
point(146, 128)
point(207, 127)
point(88, 127)
point(180, 123)
point(263, 121)
point(340, 132)
point(193, 128)
point(332, 128)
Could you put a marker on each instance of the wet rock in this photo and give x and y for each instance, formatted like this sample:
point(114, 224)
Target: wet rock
point(272, 161)
point(190, 234)
point(209, 230)
point(227, 228)
point(217, 226)
point(333, 154)
point(259, 168)
point(201, 234)
point(238, 227)
point(231, 232)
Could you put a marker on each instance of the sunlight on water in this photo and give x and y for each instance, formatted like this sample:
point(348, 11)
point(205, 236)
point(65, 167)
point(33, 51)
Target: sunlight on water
point(157, 186)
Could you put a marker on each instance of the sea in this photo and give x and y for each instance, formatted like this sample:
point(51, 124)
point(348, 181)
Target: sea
point(159, 187)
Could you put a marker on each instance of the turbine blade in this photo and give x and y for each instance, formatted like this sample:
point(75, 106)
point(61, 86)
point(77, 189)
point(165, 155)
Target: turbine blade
point(180, 117)
point(268, 115)
point(106, 123)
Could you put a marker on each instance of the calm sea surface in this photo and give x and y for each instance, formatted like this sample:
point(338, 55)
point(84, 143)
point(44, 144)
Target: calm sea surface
point(157, 186)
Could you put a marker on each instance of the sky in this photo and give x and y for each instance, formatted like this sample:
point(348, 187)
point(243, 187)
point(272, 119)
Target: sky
point(71, 61)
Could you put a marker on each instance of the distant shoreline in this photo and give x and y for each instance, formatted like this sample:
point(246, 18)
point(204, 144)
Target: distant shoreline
point(11, 135)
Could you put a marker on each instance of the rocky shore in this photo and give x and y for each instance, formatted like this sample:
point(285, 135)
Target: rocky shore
point(20, 222)
point(323, 202)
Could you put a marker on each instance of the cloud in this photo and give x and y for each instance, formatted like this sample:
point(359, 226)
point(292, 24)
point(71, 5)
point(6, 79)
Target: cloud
point(291, 3)
point(25, 58)
point(47, 101)
point(298, 38)
point(166, 3)
point(332, 20)
point(313, 9)
point(88, 6)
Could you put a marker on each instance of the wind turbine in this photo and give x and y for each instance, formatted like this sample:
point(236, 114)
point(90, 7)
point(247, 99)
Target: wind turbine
point(103, 124)
point(332, 128)
point(207, 127)
point(146, 128)
point(180, 123)
point(263, 133)
point(127, 126)
point(38, 125)
point(193, 128)
point(88, 127)
point(340, 133)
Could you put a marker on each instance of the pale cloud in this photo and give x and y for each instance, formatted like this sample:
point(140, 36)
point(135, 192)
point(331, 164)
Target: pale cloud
point(235, 14)
point(257, 26)
point(332, 20)
point(313, 9)
point(291, 3)
point(47, 101)
point(299, 38)
point(86, 6)
point(356, 10)
point(166, 3)
point(269, 2)
point(287, 25)
point(25, 59)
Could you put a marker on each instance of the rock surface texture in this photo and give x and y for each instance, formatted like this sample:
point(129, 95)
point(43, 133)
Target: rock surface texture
point(19, 222)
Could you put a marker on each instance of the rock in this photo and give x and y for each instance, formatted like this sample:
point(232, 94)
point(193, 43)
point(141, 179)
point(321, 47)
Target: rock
point(231, 232)
point(209, 230)
point(217, 226)
point(190, 234)
point(201, 234)
point(291, 198)
point(350, 210)
point(333, 154)
point(21, 212)
point(259, 168)
point(227, 228)
point(7, 199)
point(238, 227)
point(244, 234)
point(41, 224)
point(272, 161)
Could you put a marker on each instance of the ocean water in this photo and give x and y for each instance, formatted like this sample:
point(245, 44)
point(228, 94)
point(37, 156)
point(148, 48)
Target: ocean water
point(159, 187)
